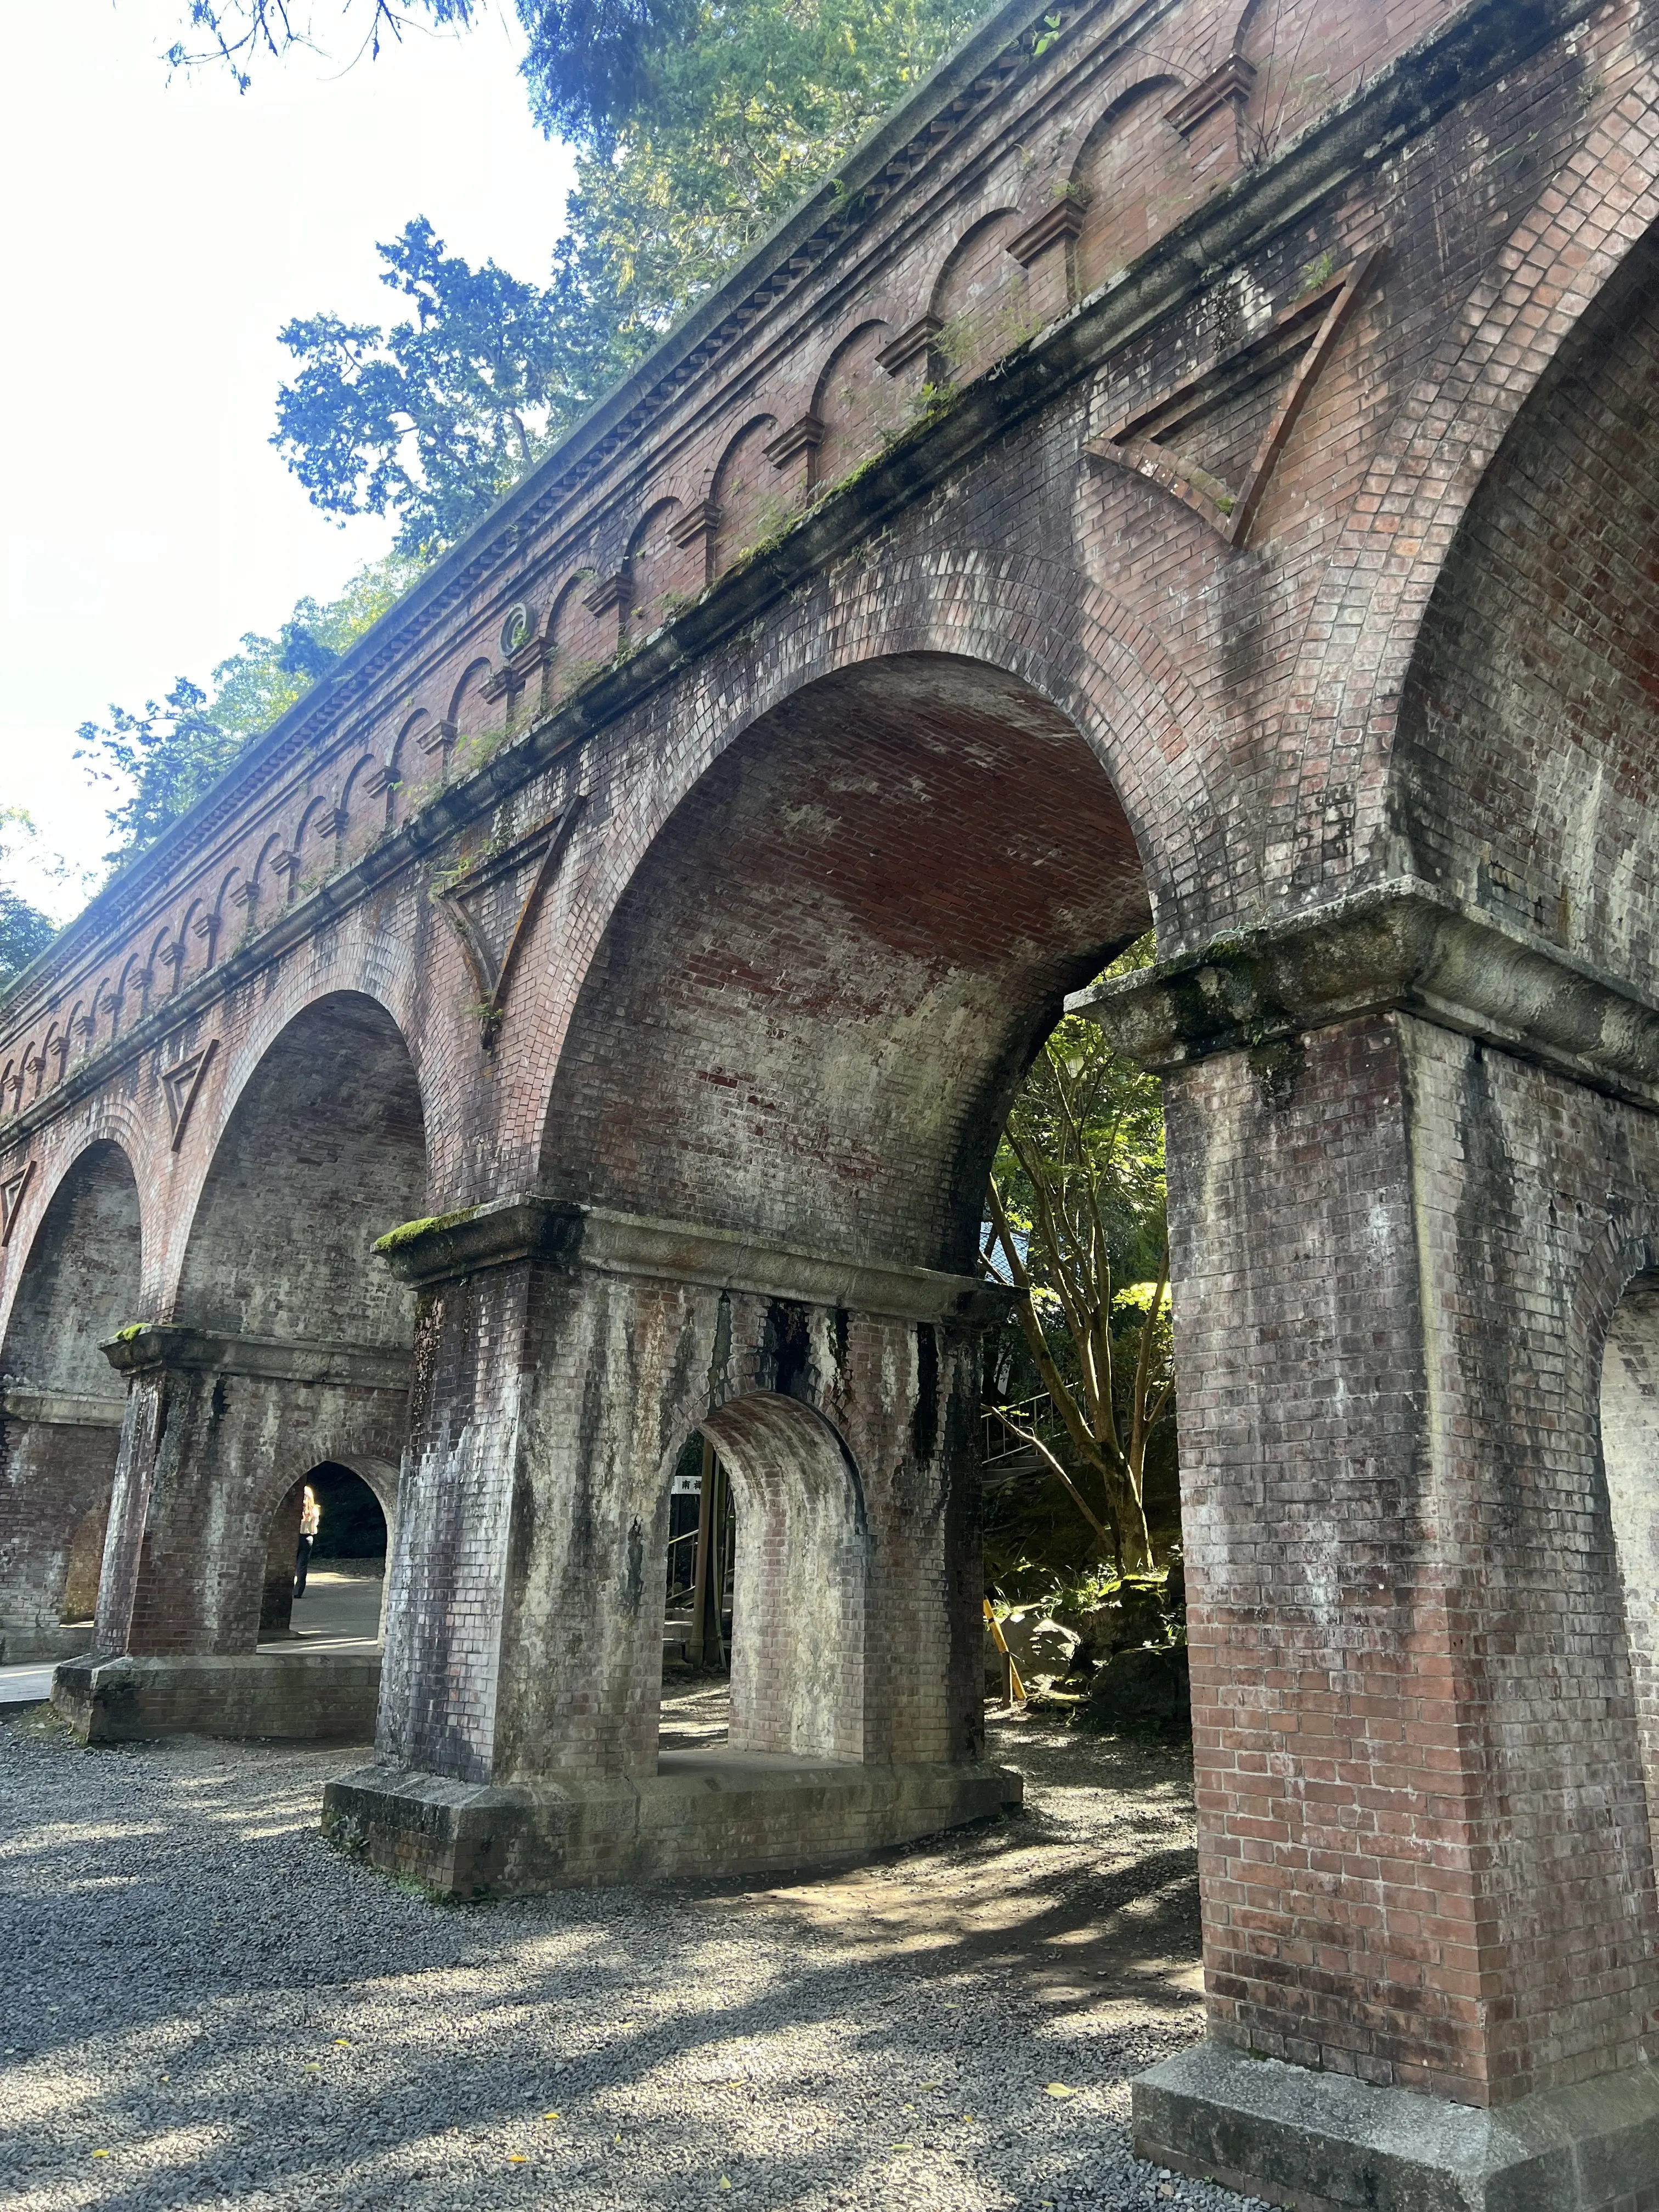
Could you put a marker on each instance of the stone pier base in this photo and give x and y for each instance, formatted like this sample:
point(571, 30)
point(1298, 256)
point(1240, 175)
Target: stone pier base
point(312, 1696)
point(704, 1813)
point(1324, 2142)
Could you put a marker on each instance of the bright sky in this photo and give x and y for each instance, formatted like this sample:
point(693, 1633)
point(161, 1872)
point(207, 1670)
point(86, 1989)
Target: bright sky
point(157, 234)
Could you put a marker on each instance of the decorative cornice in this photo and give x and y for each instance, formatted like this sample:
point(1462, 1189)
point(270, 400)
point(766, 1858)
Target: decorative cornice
point(1451, 65)
point(804, 436)
point(1228, 85)
point(153, 1345)
point(596, 1240)
point(701, 520)
point(1402, 947)
point(1063, 220)
point(914, 339)
point(609, 593)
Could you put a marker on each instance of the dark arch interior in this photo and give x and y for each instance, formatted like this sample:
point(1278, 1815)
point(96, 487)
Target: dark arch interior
point(1529, 747)
point(81, 1281)
point(350, 1542)
point(822, 988)
point(324, 1151)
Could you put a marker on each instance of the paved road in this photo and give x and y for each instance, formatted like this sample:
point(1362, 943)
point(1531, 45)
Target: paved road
point(338, 1612)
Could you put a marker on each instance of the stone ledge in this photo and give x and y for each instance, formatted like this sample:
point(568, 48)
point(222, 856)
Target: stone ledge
point(595, 1238)
point(268, 1358)
point(1398, 946)
point(1324, 2142)
point(703, 1813)
point(63, 1409)
point(302, 1696)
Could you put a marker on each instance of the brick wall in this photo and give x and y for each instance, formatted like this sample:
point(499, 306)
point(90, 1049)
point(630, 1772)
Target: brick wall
point(983, 677)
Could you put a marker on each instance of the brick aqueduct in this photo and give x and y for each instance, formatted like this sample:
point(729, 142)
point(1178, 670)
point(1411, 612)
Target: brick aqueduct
point(1187, 470)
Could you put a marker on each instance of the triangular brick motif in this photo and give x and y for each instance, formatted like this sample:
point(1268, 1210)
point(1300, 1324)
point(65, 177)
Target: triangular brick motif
point(11, 1199)
point(1207, 410)
point(492, 905)
point(182, 1082)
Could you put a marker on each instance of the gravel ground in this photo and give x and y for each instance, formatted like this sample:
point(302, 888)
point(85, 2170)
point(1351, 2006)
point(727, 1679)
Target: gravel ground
point(204, 2005)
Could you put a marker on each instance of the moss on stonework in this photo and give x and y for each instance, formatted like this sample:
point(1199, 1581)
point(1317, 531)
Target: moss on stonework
point(408, 1231)
point(134, 1329)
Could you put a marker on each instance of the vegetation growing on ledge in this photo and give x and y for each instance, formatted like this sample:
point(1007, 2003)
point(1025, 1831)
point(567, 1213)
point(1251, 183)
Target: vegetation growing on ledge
point(410, 1232)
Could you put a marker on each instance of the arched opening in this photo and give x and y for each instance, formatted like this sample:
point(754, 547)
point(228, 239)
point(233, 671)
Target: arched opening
point(778, 1577)
point(1630, 1453)
point(815, 1001)
point(803, 1030)
point(1528, 747)
point(325, 1562)
point(296, 1342)
point(324, 1149)
point(63, 1405)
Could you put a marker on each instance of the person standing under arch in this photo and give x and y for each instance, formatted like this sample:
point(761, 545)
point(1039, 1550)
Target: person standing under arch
point(311, 1519)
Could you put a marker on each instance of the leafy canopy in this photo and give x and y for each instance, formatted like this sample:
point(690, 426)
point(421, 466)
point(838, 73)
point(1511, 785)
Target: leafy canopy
point(25, 932)
point(1075, 1224)
point(163, 760)
point(697, 127)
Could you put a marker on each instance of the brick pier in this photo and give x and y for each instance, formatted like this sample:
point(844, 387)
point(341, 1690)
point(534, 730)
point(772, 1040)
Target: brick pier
point(1194, 469)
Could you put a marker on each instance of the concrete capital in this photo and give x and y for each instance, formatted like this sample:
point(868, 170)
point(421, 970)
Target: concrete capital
point(597, 1240)
point(62, 1409)
point(152, 1346)
point(1399, 946)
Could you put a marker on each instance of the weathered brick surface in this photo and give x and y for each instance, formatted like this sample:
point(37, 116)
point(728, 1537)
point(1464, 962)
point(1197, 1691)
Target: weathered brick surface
point(1412, 1702)
point(992, 573)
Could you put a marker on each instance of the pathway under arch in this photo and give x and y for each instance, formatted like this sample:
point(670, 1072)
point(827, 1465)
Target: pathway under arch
point(61, 1422)
point(287, 1347)
point(760, 1183)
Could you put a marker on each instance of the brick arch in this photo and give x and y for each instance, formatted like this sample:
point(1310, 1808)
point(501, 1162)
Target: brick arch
point(657, 569)
point(827, 974)
point(802, 1577)
point(81, 1280)
point(467, 692)
point(743, 492)
point(290, 1466)
point(1363, 629)
point(856, 401)
point(1112, 676)
point(112, 1135)
point(325, 1108)
point(1612, 1372)
point(1132, 179)
point(978, 299)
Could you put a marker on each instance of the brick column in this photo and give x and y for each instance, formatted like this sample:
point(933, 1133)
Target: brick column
point(565, 1356)
point(56, 1467)
point(1425, 1850)
point(218, 1428)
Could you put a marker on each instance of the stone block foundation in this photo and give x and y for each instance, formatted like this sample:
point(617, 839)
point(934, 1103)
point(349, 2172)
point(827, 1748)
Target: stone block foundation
point(1326, 2142)
point(702, 1813)
point(304, 1696)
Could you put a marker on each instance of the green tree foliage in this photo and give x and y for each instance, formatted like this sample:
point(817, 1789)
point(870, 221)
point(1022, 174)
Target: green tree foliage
point(434, 417)
point(697, 127)
point(163, 760)
point(25, 932)
point(1075, 1222)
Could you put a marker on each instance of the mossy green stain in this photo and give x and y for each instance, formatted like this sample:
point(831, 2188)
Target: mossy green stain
point(408, 1232)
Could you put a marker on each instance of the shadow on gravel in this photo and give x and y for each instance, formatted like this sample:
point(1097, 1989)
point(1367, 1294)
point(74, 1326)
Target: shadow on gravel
point(201, 1990)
